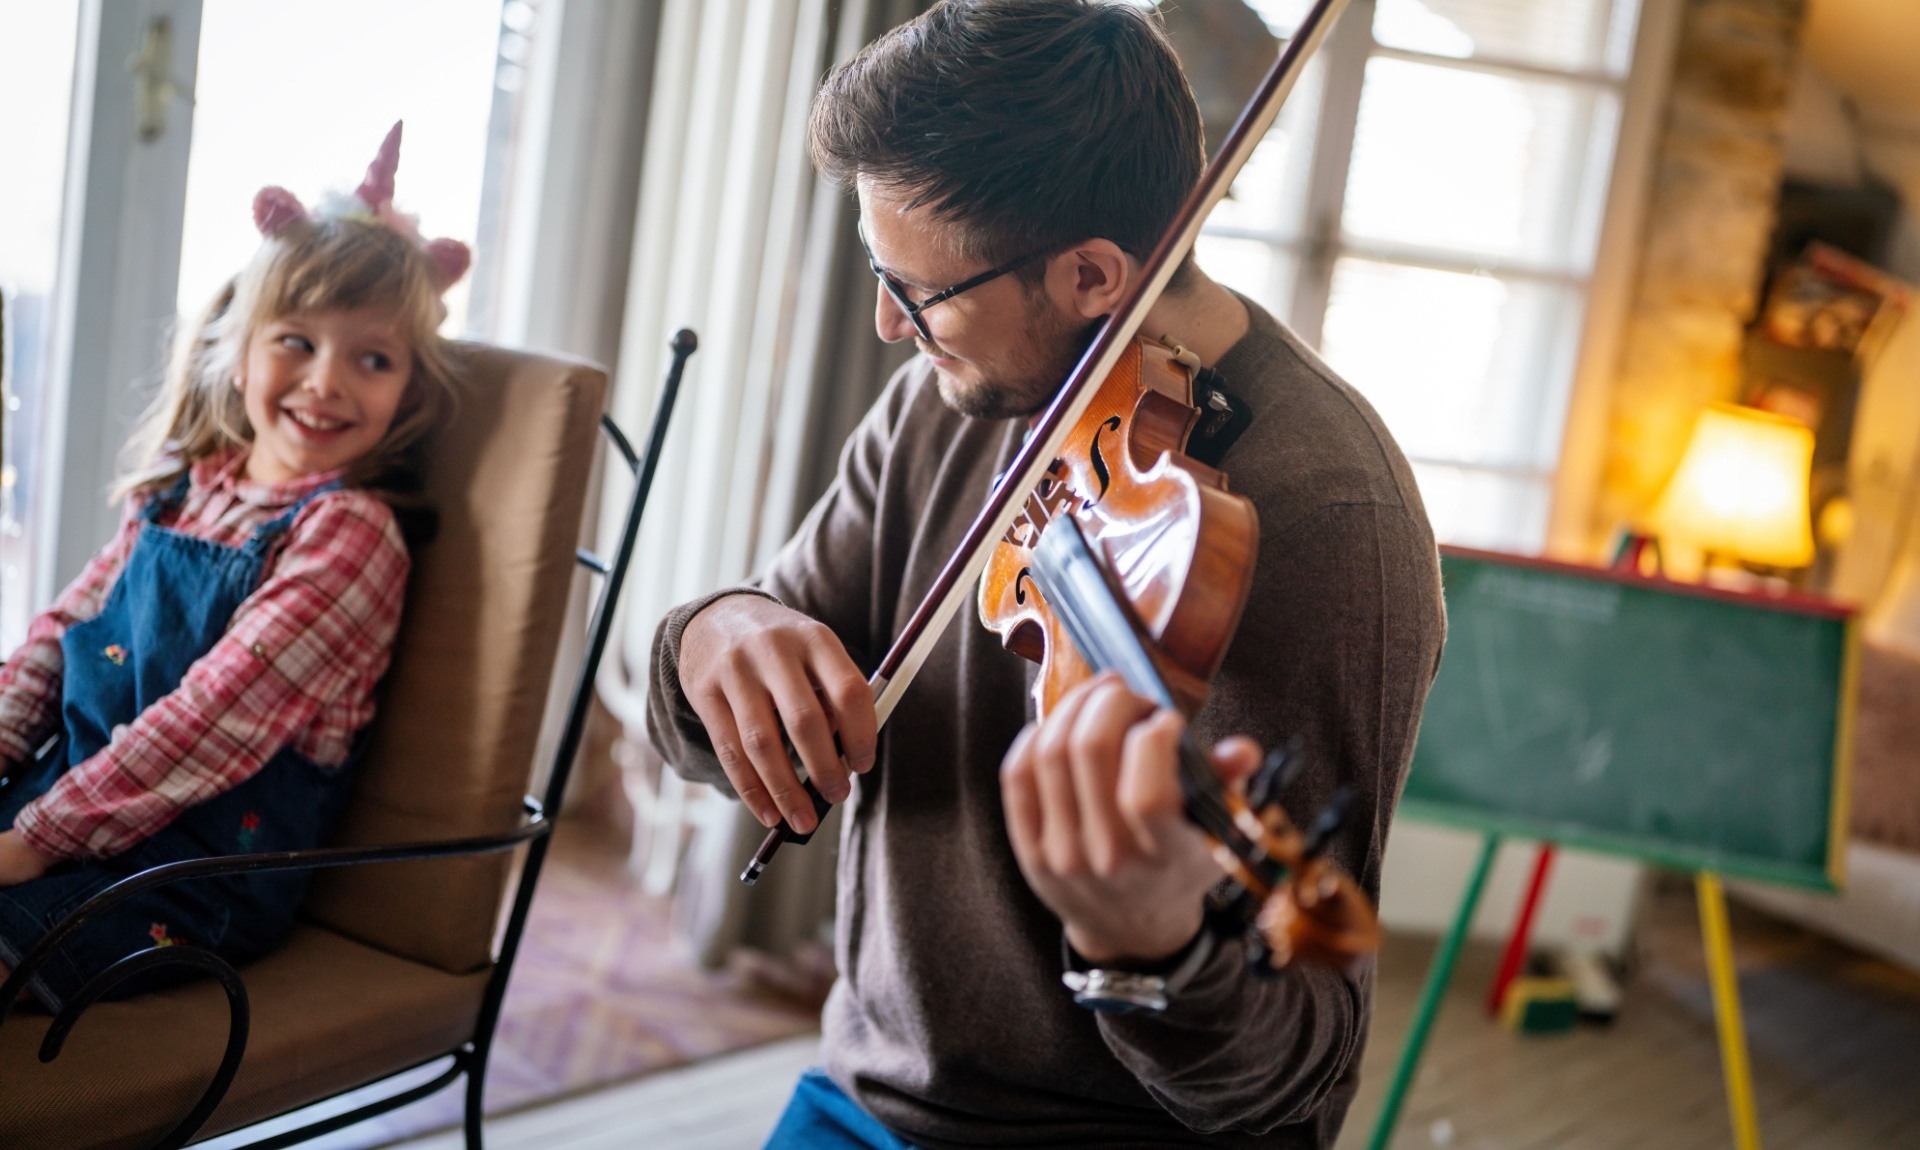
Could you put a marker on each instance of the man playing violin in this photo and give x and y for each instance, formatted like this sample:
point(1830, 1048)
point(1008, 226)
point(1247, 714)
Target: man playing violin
point(1014, 160)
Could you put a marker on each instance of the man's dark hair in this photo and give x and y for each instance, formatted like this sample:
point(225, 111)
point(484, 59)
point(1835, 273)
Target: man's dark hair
point(1032, 124)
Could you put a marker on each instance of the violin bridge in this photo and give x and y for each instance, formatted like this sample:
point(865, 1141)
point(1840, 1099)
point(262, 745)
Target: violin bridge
point(1045, 501)
point(1038, 513)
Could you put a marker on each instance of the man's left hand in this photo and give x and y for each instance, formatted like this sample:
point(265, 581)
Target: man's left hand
point(1094, 811)
point(19, 862)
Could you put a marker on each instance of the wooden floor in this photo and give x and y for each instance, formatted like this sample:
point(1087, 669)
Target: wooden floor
point(1835, 1039)
point(728, 1103)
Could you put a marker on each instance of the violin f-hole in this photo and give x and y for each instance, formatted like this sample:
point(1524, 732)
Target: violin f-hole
point(1099, 461)
point(1020, 584)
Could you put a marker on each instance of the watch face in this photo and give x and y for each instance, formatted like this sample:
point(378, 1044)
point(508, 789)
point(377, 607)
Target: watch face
point(1125, 991)
point(1117, 991)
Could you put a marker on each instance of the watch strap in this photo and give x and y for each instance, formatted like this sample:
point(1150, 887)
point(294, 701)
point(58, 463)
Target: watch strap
point(1112, 991)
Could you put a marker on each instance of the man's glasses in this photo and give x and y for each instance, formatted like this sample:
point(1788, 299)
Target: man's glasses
point(913, 310)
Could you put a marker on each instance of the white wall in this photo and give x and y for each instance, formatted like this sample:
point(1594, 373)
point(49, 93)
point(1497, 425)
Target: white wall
point(1588, 905)
point(1879, 911)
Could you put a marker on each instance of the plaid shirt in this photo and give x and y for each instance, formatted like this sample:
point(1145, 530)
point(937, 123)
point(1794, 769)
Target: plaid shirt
point(297, 666)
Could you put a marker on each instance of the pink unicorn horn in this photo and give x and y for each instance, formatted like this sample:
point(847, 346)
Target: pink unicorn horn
point(376, 191)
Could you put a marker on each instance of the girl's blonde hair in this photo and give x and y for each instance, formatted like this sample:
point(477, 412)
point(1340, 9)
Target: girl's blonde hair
point(313, 265)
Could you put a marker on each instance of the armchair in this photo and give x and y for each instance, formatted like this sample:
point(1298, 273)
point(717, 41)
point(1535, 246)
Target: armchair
point(402, 956)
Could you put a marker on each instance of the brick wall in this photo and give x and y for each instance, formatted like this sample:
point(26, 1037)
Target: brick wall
point(1710, 212)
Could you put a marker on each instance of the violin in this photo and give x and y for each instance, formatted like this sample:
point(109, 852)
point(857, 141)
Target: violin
point(1104, 547)
point(1179, 547)
point(1130, 556)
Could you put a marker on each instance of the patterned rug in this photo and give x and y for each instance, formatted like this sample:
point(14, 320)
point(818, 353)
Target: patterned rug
point(600, 994)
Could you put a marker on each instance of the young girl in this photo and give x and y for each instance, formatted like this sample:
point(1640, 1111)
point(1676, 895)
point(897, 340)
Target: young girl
point(213, 667)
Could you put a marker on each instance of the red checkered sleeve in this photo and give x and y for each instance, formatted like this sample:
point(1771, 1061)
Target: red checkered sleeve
point(30, 680)
point(320, 628)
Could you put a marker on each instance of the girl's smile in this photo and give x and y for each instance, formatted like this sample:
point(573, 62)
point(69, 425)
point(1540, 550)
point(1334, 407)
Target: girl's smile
point(321, 389)
point(315, 424)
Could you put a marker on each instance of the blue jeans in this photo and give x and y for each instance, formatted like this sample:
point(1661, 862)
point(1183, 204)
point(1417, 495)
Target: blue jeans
point(820, 1116)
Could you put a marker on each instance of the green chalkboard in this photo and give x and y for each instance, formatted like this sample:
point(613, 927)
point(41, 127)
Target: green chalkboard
point(1694, 728)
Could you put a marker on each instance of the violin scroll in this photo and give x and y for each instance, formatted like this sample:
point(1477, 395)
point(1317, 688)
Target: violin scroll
point(1320, 916)
point(1317, 913)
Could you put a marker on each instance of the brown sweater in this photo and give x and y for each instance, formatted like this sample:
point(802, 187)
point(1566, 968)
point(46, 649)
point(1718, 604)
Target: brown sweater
point(949, 1022)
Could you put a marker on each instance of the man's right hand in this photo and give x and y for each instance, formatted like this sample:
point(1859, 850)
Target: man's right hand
point(753, 669)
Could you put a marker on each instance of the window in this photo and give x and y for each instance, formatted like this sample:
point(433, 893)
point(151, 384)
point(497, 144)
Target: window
point(311, 119)
point(103, 242)
point(1432, 229)
point(36, 75)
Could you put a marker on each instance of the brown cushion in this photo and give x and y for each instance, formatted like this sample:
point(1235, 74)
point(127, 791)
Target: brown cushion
point(328, 1014)
point(453, 743)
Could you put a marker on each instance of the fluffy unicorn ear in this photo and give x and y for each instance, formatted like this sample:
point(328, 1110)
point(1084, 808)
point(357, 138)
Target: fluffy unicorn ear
point(377, 189)
point(274, 209)
point(450, 260)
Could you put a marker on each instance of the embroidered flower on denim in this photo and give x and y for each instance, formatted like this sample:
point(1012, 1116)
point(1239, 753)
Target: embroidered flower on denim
point(159, 933)
point(116, 654)
point(249, 823)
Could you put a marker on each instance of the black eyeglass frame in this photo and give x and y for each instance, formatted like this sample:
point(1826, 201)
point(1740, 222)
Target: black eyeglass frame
point(912, 309)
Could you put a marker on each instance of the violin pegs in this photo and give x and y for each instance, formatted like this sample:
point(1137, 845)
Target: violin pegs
point(1233, 913)
point(1275, 773)
point(1327, 823)
point(1260, 955)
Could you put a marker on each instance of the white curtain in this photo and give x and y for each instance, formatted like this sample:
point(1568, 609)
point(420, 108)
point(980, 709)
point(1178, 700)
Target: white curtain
point(736, 239)
point(724, 191)
point(565, 235)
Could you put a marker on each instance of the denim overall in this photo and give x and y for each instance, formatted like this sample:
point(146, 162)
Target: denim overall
point(171, 604)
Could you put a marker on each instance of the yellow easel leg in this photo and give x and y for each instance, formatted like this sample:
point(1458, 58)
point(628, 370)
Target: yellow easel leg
point(1726, 1009)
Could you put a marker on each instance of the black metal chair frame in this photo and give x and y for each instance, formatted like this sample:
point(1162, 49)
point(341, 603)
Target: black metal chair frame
point(470, 1057)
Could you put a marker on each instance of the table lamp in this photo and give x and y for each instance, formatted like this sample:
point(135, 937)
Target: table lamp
point(1740, 491)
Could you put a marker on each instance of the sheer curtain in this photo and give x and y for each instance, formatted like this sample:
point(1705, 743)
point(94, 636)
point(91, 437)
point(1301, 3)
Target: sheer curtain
point(736, 239)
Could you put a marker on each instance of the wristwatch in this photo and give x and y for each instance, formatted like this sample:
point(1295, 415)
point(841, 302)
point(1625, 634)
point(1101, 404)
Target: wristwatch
point(1125, 991)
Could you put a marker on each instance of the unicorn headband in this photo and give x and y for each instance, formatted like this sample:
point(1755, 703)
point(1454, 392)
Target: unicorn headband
point(276, 209)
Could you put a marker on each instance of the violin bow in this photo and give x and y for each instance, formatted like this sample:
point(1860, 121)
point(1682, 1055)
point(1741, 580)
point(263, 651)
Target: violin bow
point(954, 587)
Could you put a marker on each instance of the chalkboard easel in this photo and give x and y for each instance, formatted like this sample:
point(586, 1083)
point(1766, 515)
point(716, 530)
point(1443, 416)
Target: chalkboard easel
point(1686, 726)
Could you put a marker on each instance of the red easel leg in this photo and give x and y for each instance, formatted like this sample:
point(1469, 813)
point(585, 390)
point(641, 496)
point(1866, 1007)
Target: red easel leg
point(1516, 952)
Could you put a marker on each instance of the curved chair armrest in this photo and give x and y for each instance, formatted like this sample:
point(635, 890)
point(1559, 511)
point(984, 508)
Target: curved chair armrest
point(239, 1022)
point(536, 826)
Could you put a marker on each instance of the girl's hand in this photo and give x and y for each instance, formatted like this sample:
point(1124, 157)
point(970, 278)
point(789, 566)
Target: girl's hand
point(19, 862)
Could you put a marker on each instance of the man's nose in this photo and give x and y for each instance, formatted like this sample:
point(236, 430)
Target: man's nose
point(890, 320)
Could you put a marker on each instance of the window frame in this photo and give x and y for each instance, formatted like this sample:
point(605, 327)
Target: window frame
point(113, 302)
point(114, 306)
point(1572, 532)
point(112, 310)
point(1578, 395)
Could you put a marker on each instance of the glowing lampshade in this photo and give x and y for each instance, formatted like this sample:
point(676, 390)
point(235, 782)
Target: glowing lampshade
point(1741, 488)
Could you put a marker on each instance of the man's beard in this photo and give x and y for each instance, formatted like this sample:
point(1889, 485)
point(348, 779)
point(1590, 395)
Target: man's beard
point(1027, 381)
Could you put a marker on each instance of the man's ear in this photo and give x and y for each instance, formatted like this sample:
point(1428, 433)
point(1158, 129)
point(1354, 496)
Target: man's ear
point(1090, 277)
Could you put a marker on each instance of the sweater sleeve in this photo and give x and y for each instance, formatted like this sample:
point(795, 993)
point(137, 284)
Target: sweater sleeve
point(825, 571)
point(1353, 592)
point(30, 680)
point(324, 617)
